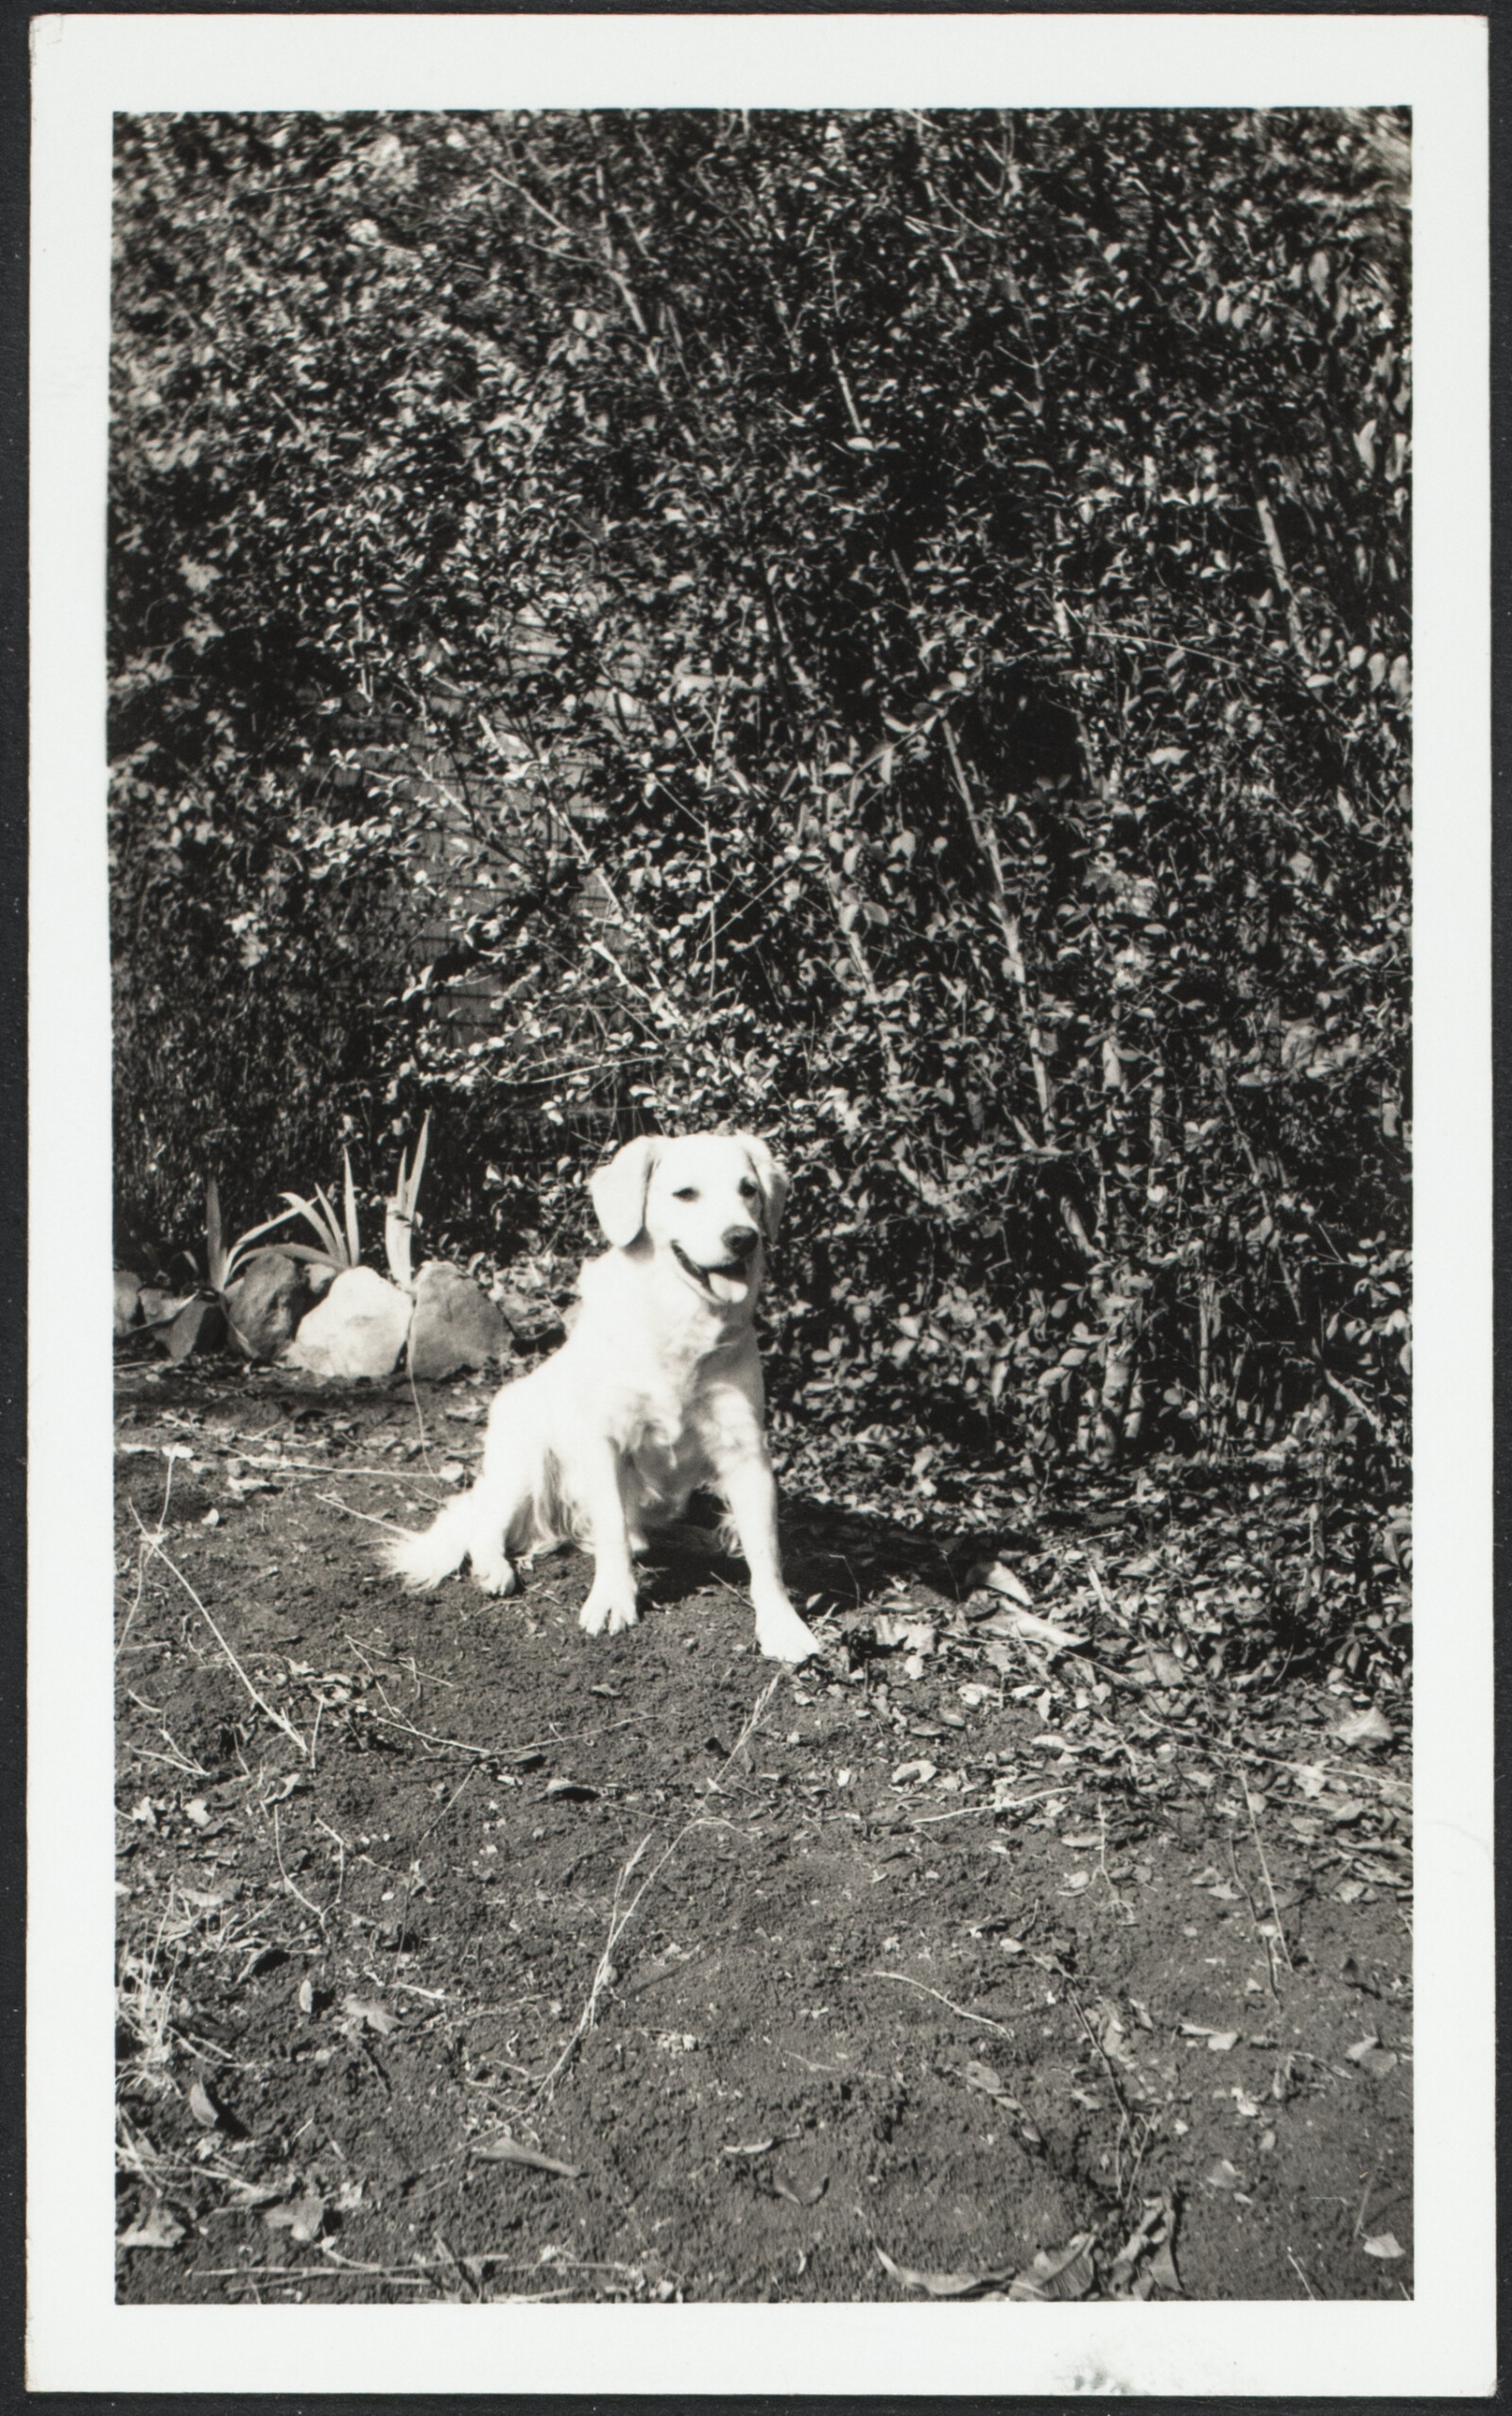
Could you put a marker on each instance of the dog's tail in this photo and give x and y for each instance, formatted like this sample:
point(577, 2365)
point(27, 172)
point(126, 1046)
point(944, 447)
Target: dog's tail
point(423, 1558)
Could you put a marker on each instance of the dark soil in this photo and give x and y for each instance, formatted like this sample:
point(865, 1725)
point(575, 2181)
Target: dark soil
point(951, 1949)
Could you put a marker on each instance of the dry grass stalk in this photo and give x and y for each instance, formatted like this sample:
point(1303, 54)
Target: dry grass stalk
point(277, 1718)
point(621, 1914)
point(964, 2011)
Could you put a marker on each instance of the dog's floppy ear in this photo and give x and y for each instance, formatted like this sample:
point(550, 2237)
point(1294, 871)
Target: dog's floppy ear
point(772, 1179)
point(618, 1190)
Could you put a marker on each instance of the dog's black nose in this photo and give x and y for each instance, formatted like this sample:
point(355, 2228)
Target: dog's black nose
point(741, 1240)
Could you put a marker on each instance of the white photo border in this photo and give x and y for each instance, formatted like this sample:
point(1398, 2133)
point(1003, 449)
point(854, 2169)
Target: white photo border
point(85, 68)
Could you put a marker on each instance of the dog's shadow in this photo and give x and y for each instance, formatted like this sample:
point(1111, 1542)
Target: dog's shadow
point(834, 1560)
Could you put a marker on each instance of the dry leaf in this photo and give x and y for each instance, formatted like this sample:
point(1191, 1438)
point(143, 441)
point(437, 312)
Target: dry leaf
point(912, 1775)
point(1167, 1671)
point(981, 2076)
point(941, 2286)
point(1060, 2273)
point(1372, 2056)
point(1383, 2244)
point(202, 2106)
point(159, 2230)
point(198, 1811)
point(505, 2150)
point(1221, 2175)
point(1034, 1630)
point(301, 2218)
point(1163, 2272)
point(915, 1636)
point(1365, 1727)
point(1219, 2042)
point(306, 1997)
point(1153, 2231)
point(1003, 1580)
point(361, 2009)
point(576, 1788)
point(802, 2198)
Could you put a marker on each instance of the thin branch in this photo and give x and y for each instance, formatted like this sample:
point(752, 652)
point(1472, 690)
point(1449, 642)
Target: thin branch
point(263, 1704)
point(965, 2013)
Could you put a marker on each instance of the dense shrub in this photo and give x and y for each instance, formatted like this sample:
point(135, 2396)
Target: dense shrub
point(888, 627)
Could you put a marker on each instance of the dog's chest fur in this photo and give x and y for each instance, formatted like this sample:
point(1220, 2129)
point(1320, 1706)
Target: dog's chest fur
point(692, 1387)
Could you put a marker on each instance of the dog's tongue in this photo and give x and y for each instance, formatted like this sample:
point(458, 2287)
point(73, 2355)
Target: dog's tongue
point(728, 1288)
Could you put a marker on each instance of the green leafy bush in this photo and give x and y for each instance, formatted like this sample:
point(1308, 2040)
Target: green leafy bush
point(892, 629)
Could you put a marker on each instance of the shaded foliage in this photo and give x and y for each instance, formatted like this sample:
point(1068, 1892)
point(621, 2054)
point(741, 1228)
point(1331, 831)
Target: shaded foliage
point(890, 629)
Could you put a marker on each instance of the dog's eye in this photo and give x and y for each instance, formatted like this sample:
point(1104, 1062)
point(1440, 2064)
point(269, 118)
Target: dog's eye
point(748, 1189)
point(686, 1193)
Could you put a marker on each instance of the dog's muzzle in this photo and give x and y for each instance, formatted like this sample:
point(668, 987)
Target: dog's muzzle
point(729, 1280)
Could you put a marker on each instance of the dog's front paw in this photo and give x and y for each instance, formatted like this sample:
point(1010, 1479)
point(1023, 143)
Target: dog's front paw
point(608, 1607)
point(495, 1577)
point(782, 1636)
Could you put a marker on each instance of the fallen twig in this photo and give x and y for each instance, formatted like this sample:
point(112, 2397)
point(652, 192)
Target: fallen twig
point(326, 1468)
point(965, 2013)
point(504, 2149)
point(276, 1716)
point(1011, 1804)
point(142, 1559)
point(450, 1744)
point(366, 1516)
point(1098, 2047)
point(604, 1973)
point(341, 1867)
point(296, 1892)
point(1265, 1867)
point(746, 1732)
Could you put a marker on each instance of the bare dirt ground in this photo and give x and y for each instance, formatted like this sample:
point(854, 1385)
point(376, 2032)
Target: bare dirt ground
point(463, 1957)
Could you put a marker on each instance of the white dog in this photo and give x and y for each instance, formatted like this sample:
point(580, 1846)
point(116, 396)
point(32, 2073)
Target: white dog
point(657, 1390)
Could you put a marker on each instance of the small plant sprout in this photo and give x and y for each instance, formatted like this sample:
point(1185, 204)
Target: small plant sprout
point(340, 1247)
point(399, 1218)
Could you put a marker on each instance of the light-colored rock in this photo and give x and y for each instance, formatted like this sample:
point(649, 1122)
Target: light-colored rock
point(456, 1324)
point(128, 1299)
point(358, 1330)
point(266, 1302)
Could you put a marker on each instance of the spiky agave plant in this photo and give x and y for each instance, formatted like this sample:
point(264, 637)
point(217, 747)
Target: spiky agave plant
point(340, 1241)
point(399, 1212)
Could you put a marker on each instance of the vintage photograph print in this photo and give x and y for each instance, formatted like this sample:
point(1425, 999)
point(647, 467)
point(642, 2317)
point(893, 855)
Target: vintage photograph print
point(761, 797)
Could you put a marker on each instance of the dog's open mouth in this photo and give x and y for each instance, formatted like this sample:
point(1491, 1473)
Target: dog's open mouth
point(727, 1283)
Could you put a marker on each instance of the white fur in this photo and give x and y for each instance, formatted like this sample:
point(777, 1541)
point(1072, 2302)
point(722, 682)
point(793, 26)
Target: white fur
point(656, 1391)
